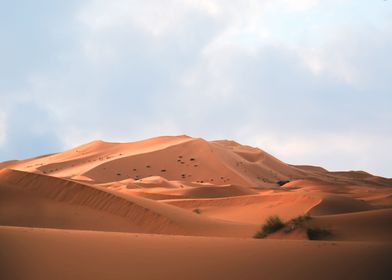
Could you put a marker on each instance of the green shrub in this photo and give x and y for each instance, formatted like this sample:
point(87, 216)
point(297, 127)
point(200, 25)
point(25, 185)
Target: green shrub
point(318, 233)
point(272, 224)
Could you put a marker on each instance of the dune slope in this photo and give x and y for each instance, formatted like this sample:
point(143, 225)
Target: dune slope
point(38, 200)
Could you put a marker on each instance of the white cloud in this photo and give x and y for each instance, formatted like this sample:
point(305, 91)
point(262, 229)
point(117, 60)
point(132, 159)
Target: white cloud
point(300, 145)
point(208, 68)
point(302, 5)
point(152, 16)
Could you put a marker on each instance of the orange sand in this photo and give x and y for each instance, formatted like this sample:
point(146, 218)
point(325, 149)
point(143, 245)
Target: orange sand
point(61, 214)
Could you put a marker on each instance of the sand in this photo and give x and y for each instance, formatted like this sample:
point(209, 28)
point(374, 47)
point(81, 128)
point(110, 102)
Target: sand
point(65, 254)
point(186, 208)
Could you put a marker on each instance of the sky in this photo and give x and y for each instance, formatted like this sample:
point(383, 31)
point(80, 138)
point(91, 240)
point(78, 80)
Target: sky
point(308, 81)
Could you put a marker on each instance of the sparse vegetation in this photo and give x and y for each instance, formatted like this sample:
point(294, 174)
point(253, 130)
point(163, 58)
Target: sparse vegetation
point(281, 183)
point(318, 233)
point(296, 222)
point(260, 234)
point(271, 225)
point(197, 211)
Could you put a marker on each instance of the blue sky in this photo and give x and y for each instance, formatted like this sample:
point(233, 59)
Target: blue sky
point(308, 81)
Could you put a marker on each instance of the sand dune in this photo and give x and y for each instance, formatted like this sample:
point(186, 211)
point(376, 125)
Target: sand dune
point(174, 158)
point(182, 186)
point(160, 182)
point(335, 204)
point(252, 209)
point(372, 225)
point(36, 200)
point(180, 158)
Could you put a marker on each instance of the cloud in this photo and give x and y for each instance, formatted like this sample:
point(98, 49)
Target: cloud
point(279, 71)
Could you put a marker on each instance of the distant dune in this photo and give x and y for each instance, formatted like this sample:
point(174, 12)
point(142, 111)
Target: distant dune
point(176, 186)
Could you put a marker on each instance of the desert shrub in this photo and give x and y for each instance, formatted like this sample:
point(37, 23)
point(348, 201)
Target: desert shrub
point(260, 234)
point(318, 233)
point(272, 224)
point(296, 222)
point(197, 211)
point(281, 183)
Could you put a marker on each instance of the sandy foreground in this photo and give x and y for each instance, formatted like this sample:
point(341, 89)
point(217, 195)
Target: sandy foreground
point(32, 253)
point(185, 208)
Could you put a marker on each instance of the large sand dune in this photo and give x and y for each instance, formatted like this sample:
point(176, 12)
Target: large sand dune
point(182, 186)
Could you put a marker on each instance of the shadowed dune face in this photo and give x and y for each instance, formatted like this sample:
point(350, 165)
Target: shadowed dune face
point(179, 185)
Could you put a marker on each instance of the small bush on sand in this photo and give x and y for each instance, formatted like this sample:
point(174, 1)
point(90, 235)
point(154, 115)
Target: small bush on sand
point(197, 211)
point(318, 233)
point(281, 183)
point(260, 234)
point(272, 224)
point(296, 222)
